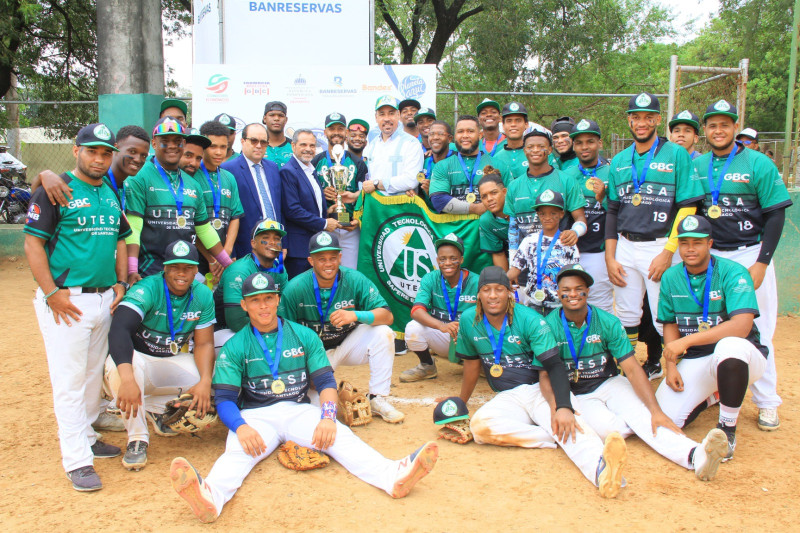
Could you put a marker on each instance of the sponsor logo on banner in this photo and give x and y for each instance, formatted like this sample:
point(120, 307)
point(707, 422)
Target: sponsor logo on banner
point(404, 253)
point(217, 84)
point(337, 80)
point(205, 10)
point(339, 89)
point(296, 7)
point(412, 86)
point(380, 88)
point(298, 92)
point(256, 88)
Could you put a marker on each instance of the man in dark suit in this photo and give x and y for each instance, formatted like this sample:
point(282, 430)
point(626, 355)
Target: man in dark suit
point(304, 208)
point(259, 184)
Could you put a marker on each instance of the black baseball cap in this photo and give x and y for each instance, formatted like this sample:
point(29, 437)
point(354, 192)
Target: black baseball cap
point(486, 103)
point(551, 198)
point(322, 242)
point(194, 137)
point(96, 134)
point(335, 118)
point(536, 132)
point(168, 126)
point(450, 410)
point(263, 226)
point(451, 239)
point(174, 102)
point(408, 102)
point(226, 120)
point(259, 283)
point(181, 252)
point(694, 226)
point(493, 274)
point(721, 107)
point(562, 124)
point(685, 117)
point(425, 112)
point(647, 102)
point(275, 106)
point(575, 269)
point(514, 108)
point(585, 126)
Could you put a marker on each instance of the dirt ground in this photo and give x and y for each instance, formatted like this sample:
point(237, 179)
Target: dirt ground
point(472, 488)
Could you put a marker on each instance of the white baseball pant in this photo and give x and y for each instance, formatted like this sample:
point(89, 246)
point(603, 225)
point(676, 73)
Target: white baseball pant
point(348, 242)
point(368, 344)
point(601, 293)
point(160, 380)
point(521, 417)
point(614, 406)
point(286, 421)
point(700, 377)
point(419, 337)
point(635, 258)
point(75, 356)
point(765, 390)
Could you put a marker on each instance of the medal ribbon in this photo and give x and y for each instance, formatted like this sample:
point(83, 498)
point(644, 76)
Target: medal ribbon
point(114, 185)
point(470, 176)
point(215, 192)
point(429, 167)
point(319, 297)
point(706, 288)
point(275, 362)
point(570, 342)
point(274, 269)
point(497, 344)
point(494, 146)
point(451, 311)
point(716, 185)
point(178, 196)
point(590, 172)
point(170, 316)
point(541, 262)
point(640, 177)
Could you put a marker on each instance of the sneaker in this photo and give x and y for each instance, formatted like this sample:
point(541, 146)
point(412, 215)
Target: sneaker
point(413, 468)
point(653, 370)
point(135, 455)
point(104, 451)
point(731, 434)
point(108, 422)
point(709, 454)
point(158, 426)
point(609, 471)
point(767, 419)
point(381, 406)
point(418, 373)
point(400, 347)
point(190, 486)
point(85, 479)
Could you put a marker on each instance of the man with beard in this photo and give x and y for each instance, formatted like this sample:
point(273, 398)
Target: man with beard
point(488, 113)
point(423, 119)
point(684, 129)
point(193, 151)
point(562, 143)
point(440, 135)
point(408, 110)
point(357, 131)
point(515, 122)
point(279, 150)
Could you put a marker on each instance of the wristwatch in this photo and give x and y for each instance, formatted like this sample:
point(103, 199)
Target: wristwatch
point(125, 285)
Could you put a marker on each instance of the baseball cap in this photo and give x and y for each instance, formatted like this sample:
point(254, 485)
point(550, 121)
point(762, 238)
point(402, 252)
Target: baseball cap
point(486, 103)
point(425, 112)
point(385, 100)
point(226, 120)
point(721, 107)
point(451, 239)
point(265, 225)
point(409, 102)
point(259, 283)
point(562, 124)
point(168, 126)
point(548, 197)
point(575, 269)
point(322, 242)
point(174, 102)
point(275, 106)
point(359, 122)
point(685, 117)
point(450, 410)
point(644, 102)
point(694, 226)
point(194, 137)
point(514, 108)
point(585, 126)
point(493, 274)
point(181, 252)
point(96, 134)
point(335, 118)
point(748, 132)
point(535, 132)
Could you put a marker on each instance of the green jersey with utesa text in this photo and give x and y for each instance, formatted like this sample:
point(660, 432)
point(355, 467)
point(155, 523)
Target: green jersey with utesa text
point(750, 188)
point(527, 341)
point(228, 295)
point(431, 297)
point(280, 155)
point(230, 207)
point(354, 292)
point(669, 184)
point(449, 177)
point(731, 293)
point(594, 240)
point(194, 310)
point(358, 171)
point(242, 367)
point(81, 238)
point(514, 160)
point(149, 197)
point(606, 345)
point(493, 233)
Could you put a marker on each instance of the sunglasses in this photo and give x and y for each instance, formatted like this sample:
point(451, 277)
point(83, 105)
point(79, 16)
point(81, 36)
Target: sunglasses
point(357, 127)
point(257, 142)
point(168, 127)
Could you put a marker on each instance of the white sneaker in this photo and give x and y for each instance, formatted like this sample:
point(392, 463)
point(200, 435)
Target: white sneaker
point(768, 419)
point(418, 373)
point(191, 487)
point(108, 422)
point(381, 406)
point(709, 454)
point(413, 468)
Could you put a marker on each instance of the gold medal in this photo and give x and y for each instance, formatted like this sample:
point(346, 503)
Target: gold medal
point(590, 184)
point(539, 295)
point(575, 376)
point(174, 348)
point(181, 221)
point(704, 326)
point(471, 197)
point(496, 371)
point(216, 223)
point(278, 386)
point(421, 177)
point(715, 211)
point(636, 199)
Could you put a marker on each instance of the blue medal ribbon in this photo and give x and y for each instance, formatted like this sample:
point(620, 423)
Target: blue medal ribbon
point(215, 192)
point(706, 288)
point(497, 344)
point(640, 177)
point(178, 196)
point(470, 176)
point(170, 316)
point(542, 262)
point(716, 185)
point(275, 269)
point(590, 172)
point(494, 146)
point(114, 185)
point(452, 310)
point(273, 362)
point(319, 297)
point(428, 167)
point(576, 355)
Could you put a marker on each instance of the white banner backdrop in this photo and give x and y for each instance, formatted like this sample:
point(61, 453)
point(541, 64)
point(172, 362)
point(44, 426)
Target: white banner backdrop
point(310, 93)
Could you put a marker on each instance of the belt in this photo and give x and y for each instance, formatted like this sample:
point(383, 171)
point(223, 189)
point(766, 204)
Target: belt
point(89, 290)
point(635, 238)
point(733, 248)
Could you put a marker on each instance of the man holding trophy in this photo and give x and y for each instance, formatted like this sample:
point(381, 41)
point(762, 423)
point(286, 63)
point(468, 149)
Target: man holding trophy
point(341, 175)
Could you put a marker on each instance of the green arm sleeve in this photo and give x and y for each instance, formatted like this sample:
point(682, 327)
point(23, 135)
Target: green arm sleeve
point(136, 224)
point(207, 235)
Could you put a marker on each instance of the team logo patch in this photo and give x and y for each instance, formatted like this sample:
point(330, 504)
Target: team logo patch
point(194, 131)
point(335, 116)
point(583, 125)
point(514, 107)
point(225, 120)
point(385, 100)
point(690, 223)
point(404, 253)
point(102, 132)
point(260, 282)
point(33, 212)
point(643, 100)
point(450, 237)
point(685, 115)
point(181, 249)
point(449, 408)
point(323, 239)
point(722, 105)
point(578, 267)
point(547, 196)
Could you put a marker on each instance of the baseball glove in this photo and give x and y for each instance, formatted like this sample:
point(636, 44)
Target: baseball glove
point(296, 457)
point(457, 432)
point(178, 416)
point(353, 409)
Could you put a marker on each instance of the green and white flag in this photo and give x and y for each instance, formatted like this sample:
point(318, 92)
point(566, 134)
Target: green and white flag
point(396, 248)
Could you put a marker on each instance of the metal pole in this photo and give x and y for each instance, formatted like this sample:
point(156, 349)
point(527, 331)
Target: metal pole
point(741, 90)
point(371, 32)
point(787, 145)
point(673, 71)
point(584, 95)
point(221, 9)
point(455, 108)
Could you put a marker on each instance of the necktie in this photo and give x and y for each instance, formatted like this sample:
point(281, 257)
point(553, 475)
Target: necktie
point(269, 212)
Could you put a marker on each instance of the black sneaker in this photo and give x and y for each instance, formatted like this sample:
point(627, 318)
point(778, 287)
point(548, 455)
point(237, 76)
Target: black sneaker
point(730, 432)
point(158, 425)
point(653, 370)
point(102, 450)
point(400, 347)
point(85, 479)
point(135, 455)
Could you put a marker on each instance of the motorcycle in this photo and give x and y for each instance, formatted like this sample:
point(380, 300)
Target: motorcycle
point(15, 195)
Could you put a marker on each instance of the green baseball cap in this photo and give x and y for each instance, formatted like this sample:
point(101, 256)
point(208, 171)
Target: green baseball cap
point(486, 103)
point(425, 112)
point(174, 102)
point(685, 117)
point(335, 118)
point(259, 283)
point(322, 242)
point(694, 226)
point(721, 107)
point(585, 126)
point(551, 198)
point(647, 102)
point(575, 269)
point(181, 252)
point(451, 239)
point(96, 135)
point(263, 226)
point(385, 100)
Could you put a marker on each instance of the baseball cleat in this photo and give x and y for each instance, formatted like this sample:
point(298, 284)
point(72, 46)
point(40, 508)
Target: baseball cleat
point(413, 468)
point(400, 347)
point(158, 425)
point(730, 432)
point(190, 486)
point(609, 477)
point(85, 479)
point(135, 457)
point(653, 370)
point(381, 406)
point(419, 373)
point(709, 454)
point(767, 419)
point(108, 422)
point(101, 450)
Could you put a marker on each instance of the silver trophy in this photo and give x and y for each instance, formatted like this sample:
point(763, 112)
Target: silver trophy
point(339, 177)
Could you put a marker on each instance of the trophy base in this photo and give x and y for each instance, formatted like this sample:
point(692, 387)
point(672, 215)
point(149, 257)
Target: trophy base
point(344, 218)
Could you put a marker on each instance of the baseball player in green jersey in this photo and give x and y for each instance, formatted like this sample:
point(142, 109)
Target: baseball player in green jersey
point(745, 202)
point(193, 151)
point(165, 204)
point(149, 341)
point(593, 343)
point(267, 257)
point(517, 350)
point(261, 380)
point(77, 256)
point(230, 126)
point(684, 129)
point(454, 182)
point(749, 138)
point(651, 188)
point(562, 143)
point(440, 135)
point(279, 149)
point(442, 297)
point(708, 305)
point(515, 123)
point(488, 113)
point(494, 222)
point(423, 119)
point(348, 313)
point(590, 175)
point(349, 234)
point(175, 108)
point(357, 131)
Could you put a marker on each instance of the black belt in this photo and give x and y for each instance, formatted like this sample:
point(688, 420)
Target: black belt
point(733, 248)
point(90, 290)
point(635, 238)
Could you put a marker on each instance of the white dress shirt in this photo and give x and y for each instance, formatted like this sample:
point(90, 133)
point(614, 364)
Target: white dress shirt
point(309, 171)
point(395, 162)
point(250, 165)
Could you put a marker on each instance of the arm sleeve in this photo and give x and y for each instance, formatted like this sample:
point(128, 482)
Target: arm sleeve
point(410, 165)
point(611, 220)
point(773, 227)
point(228, 411)
point(135, 196)
point(136, 223)
point(120, 337)
point(683, 212)
point(324, 380)
point(558, 379)
point(513, 234)
point(207, 235)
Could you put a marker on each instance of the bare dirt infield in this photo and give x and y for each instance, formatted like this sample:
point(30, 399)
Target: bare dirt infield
point(472, 488)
